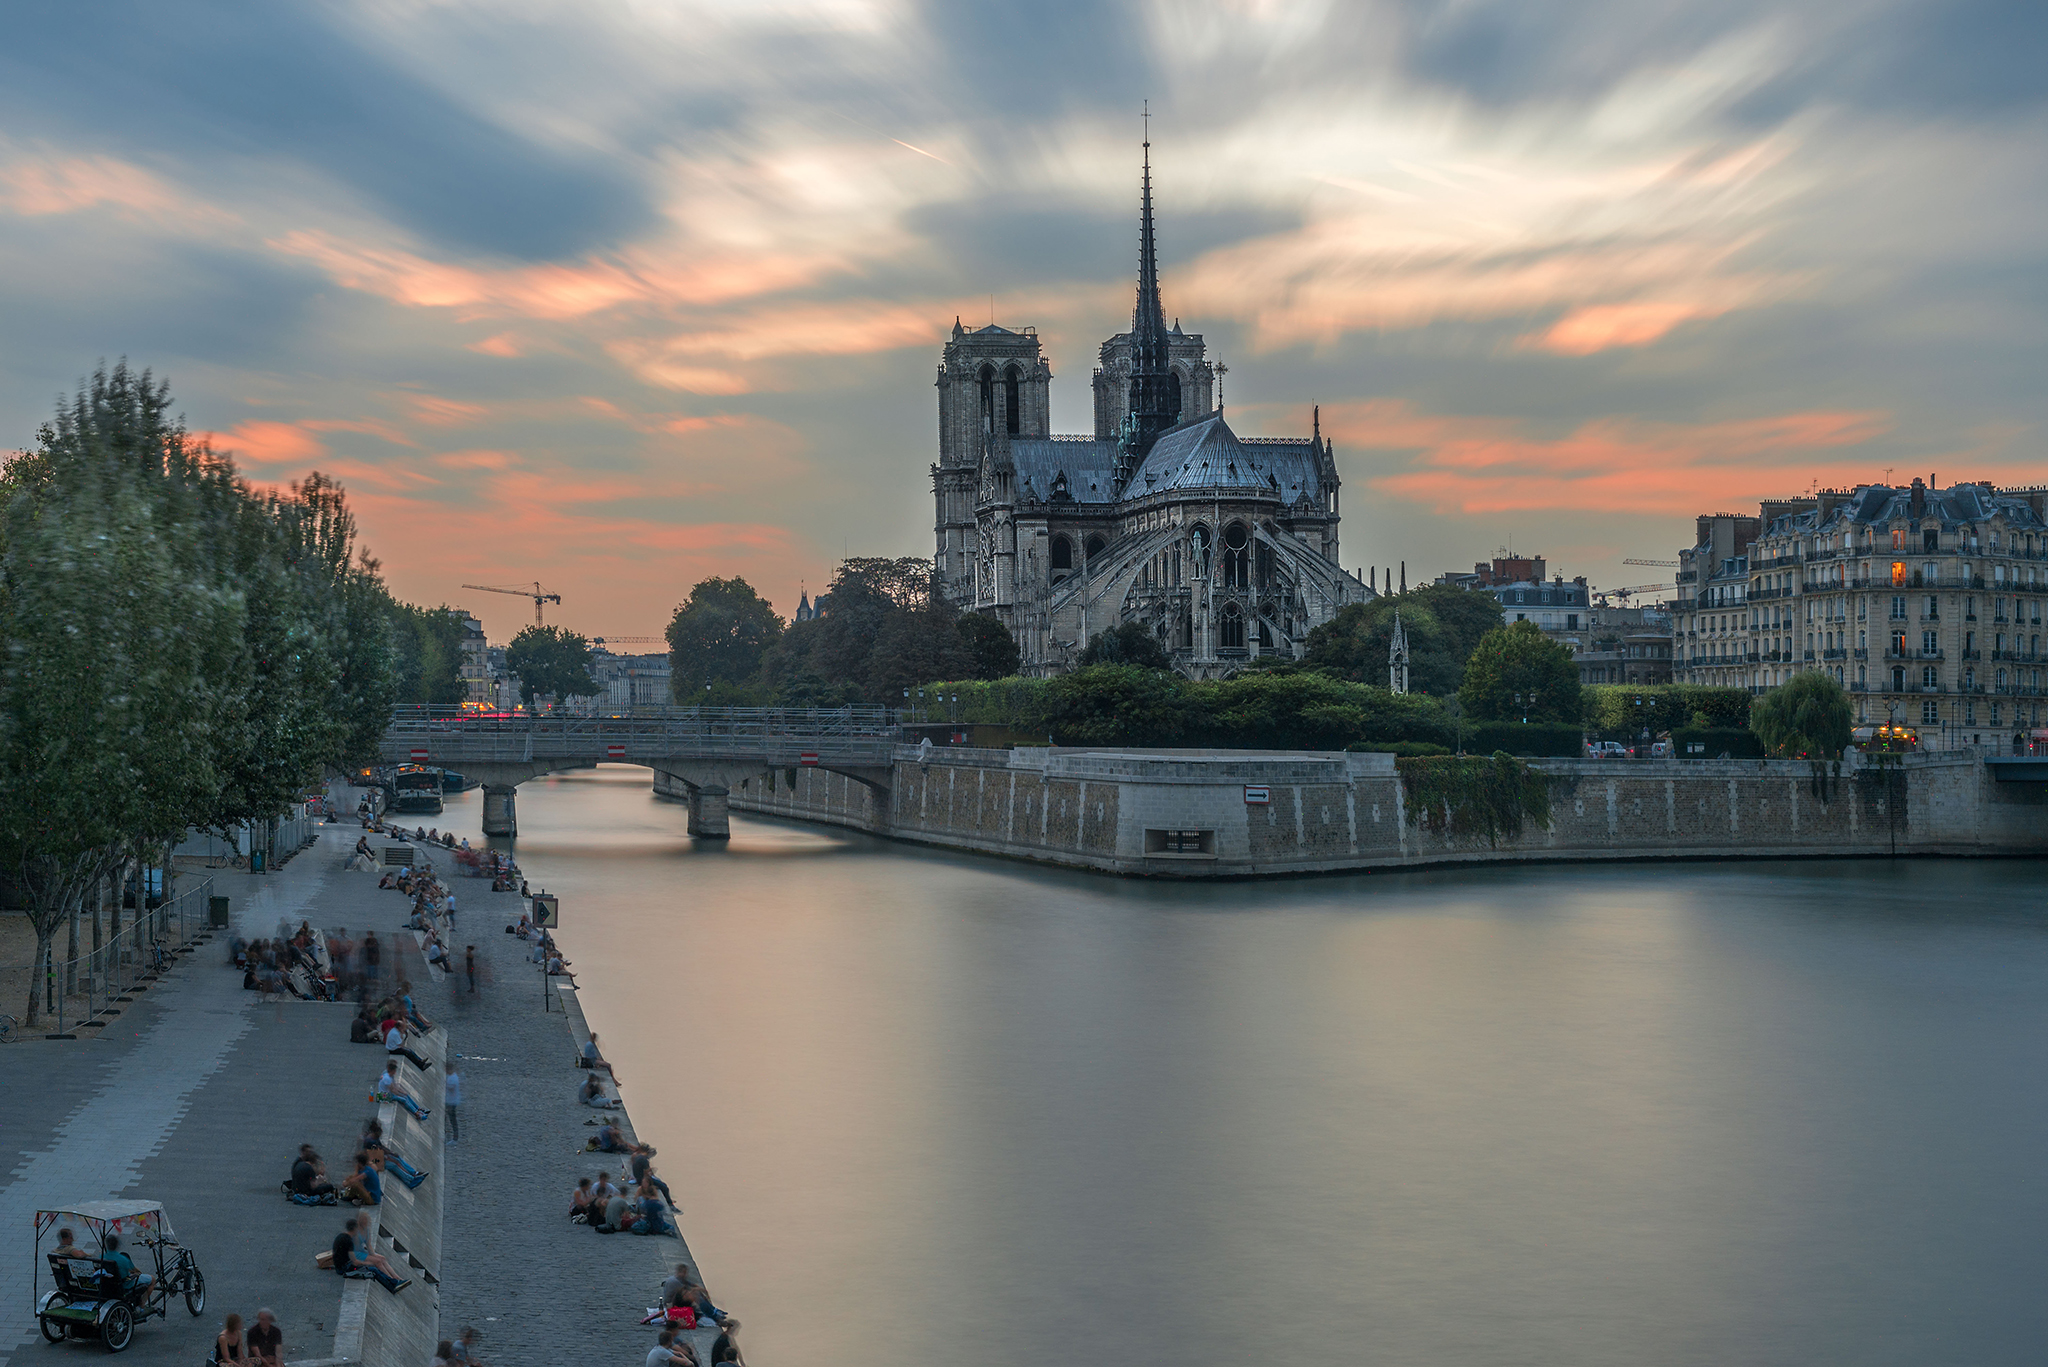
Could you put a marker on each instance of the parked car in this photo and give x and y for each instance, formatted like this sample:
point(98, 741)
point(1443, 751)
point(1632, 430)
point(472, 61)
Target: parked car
point(1613, 749)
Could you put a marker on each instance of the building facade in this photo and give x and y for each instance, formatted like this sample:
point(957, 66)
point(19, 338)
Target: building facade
point(1924, 603)
point(1224, 547)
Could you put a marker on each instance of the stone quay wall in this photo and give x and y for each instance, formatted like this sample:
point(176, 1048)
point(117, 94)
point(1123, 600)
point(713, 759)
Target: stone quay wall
point(1186, 814)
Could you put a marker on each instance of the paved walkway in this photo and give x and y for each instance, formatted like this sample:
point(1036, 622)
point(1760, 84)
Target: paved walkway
point(198, 1095)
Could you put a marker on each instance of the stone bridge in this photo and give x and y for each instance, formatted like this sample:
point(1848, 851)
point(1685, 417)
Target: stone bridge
point(697, 753)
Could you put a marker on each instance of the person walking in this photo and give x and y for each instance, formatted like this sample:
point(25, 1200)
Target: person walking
point(373, 956)
point(469, 966)
point(451, 1090)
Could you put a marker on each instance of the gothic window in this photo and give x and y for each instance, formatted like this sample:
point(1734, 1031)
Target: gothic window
point(1236, 559)
point(988, 399)
point(1233, 627)
point(1263, 562)
point(1062, 555)
point(1187, 631)
point(1095, 545)
point(1010, 400)
point(1265, 635)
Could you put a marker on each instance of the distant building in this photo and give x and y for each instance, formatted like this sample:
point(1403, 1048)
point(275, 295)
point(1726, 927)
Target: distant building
point(808, 611)
point(1557, 606)
point(625, 682)
point(1924, 603)
point(1626, 646)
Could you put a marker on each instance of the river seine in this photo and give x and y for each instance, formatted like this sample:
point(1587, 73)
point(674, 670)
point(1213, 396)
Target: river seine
point(924, 1110)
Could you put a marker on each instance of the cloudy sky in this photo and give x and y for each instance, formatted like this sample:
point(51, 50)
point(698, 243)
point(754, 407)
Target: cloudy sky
point(617, 296)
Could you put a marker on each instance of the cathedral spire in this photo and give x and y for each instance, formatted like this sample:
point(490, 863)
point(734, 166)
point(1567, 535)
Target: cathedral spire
point(1155, 389)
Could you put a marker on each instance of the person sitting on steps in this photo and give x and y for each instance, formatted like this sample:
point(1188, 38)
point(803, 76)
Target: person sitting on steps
point(309, 1175)
point(388, 1089)
point(580, 1199)
point(364, 1187)
point(591, 1093)
point(353, 1260)
point(385, 1160)
point(608, 1139)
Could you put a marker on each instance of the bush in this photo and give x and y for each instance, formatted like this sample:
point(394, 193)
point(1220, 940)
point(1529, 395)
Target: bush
point(1520, 662)
point(1806, 718)
point(1312, 711)
point(1516, 738)
point(1400, 749)
point(1474, 796)
point(1734, 742)
point(1621, 711)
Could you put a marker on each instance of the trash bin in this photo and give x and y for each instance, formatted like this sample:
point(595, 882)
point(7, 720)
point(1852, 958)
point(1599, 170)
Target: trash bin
point(256, 861)
point(217, 912)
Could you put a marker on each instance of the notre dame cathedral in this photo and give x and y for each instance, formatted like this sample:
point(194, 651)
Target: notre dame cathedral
point(1225, 547)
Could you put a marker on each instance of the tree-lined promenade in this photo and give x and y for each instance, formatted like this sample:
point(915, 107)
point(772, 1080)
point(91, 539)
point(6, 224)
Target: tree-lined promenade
point(178, 650)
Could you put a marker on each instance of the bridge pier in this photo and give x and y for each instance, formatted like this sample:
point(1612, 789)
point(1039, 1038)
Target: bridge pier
point(501, 812)
point(709, 819)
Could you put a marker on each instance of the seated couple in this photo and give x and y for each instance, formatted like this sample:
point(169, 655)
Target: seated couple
point(354, 1259)
point(684, 1287)
point(592, 1093)
point(308, 1184)
point(375, 1158)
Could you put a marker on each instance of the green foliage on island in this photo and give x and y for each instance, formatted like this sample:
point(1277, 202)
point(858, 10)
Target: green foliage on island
point(718, 636)
point(177, 649)
point(1472, 796)
point(1129, 644)
point(1444, 626)
point(1623, 710)
point(1517, 673)
point(551, 662)
point(1808, 717)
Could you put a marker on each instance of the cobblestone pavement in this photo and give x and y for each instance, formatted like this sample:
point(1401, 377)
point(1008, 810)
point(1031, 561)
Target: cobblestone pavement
point(541, 1290)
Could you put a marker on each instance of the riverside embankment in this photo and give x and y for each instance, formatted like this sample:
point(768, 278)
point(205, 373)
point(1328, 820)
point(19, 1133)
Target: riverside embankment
point(198, 1095)
point(1206, 814)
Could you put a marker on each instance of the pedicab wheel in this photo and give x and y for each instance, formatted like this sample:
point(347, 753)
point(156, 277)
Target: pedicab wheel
point(53, 1330)
point(117, 1330)
point(195, 1291)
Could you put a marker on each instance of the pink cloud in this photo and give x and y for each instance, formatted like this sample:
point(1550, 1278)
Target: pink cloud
point(262, 442)
point(61, 185)
point(370, 426)
point(439, 412)
point(1476, 465)
point(504, 344)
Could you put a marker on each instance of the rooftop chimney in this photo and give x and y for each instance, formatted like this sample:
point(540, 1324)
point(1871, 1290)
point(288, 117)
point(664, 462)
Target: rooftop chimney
point(1919, 499)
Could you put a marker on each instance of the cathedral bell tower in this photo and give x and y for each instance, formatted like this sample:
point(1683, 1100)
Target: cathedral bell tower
point(993, 383)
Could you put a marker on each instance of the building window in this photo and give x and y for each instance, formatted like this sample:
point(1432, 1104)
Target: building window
point(1010, 400)
point(1898, 574)
point(1062, 554)
point(1928, 678)
point(1930, 713)
point(1233, 627)
point(1236, 559)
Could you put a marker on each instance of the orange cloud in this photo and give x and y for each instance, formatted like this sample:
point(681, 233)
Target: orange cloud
point(261, 442)
point(504, 344)
point(371, 426)
point(1475, 465)
point(439, 412)
point(61, 185)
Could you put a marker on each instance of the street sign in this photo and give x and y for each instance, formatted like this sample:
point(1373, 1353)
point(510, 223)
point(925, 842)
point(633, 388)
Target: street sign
point(808, 758)
point(547, 911)
point(615, 751)
point(419, 754)
point(1257, 797)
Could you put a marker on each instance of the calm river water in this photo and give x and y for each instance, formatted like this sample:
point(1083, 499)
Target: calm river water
point(926, 1111)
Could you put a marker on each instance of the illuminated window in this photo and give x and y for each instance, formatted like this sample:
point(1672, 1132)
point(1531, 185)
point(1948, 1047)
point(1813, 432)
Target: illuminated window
point(1898, 538)
point(1898, 574)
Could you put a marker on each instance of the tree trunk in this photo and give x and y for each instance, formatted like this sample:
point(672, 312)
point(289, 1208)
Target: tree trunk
point(71, 950)
point(34, 1011)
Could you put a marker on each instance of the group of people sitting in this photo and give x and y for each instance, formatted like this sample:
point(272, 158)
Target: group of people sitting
point(290, 963)
point(685, 1303)
point(641, 1208)
point(374, 1161)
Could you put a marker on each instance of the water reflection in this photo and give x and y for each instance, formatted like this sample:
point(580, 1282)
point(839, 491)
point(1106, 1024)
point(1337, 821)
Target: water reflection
point(929, 1109)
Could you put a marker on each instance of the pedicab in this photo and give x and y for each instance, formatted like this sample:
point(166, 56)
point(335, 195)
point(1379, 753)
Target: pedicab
point(93, 1295)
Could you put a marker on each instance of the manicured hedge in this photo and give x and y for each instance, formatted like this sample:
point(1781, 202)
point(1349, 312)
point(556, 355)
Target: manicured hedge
point(1734, 742)
point(1518, 738)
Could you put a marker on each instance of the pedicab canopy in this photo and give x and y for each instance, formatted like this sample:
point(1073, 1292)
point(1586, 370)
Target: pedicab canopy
point(124, 1218)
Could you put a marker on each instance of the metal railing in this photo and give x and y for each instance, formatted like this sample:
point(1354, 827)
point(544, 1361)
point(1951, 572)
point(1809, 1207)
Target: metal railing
point(136, 956)
point(450, 734)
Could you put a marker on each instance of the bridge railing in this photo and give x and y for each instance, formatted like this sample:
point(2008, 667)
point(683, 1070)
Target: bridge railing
point(750, 731)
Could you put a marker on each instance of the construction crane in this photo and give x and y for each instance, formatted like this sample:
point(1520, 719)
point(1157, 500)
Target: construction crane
point(1655, 564)
point(602, 641)
point(1638, 588)
point(538, 594)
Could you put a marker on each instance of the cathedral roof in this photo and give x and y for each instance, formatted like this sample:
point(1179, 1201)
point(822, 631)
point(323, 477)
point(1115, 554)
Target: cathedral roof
point(1206, 455)
point(1088, 468)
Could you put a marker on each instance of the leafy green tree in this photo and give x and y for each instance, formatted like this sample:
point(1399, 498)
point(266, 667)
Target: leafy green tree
point(989, 642)
point(1517, 673)
point(1807, 717)
point(914, 645)
point(1123, 705)
point(882, 629)
point(426, 645)
point(1444, 625)
point(1306, 710)
point(1130, 644)
point(718, 635)
point(551, 662)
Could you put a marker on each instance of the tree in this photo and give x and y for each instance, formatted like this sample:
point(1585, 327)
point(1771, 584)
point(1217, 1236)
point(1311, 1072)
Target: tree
point(426, 645)
point(990, 644)
point(1444, 625)
point(1517, 673)
point(913, 646)
point(718, 635)
point(1122, 705)
point(1808, 717)
point(882, 628)
point(1130, 644)
point(550, 662)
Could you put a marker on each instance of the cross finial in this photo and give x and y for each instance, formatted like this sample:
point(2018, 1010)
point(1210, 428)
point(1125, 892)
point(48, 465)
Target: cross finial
point(1148, 123)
